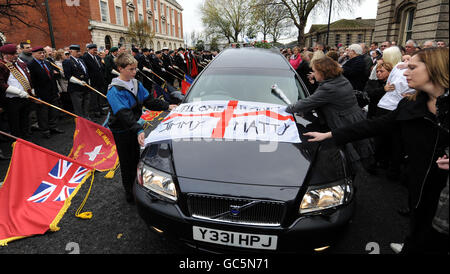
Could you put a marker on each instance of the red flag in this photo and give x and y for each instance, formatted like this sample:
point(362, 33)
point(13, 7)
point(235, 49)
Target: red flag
point(94, 146)
point(184, 87)
point(150, 115)
point(37, 191)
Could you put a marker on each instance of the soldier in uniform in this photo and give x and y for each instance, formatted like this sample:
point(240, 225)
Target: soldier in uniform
point(75, 69)
point(15, 87)
point(167, 63)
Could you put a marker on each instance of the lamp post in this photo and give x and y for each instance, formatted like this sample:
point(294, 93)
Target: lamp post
point(329, 21)
point(50, 25)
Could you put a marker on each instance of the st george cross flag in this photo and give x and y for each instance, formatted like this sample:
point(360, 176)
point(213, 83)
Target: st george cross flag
point(37, 191)
point(231, 120)
point(94, 146)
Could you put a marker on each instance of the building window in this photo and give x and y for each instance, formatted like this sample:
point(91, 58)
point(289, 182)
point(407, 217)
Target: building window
point(131, 16)
point(147, 4)
point(360, 38)
point(141, 17)
point(119, 15)
point(108, 42)
point(349, 39)
point(337, 39)
point(156, 25)
point(409, 21)
point(104, 11)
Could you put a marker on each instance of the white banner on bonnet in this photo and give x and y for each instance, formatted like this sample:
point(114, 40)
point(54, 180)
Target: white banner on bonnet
point(229, 120)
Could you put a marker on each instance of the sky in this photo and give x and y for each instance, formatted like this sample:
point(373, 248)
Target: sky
point(192, 21)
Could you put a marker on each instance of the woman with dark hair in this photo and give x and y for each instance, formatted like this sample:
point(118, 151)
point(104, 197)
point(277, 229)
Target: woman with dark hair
point(423, 123)
point(334, 98)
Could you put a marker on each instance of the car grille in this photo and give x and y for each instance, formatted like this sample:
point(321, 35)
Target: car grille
point(236, 210)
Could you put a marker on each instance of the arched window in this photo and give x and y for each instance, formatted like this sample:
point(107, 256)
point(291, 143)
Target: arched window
point(158, 46)
point(108, 42)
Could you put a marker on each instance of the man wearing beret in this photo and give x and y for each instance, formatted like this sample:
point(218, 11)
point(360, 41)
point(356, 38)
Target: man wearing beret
point(76, 72)
point(44, 83)
point(110, 66)
point(15, 87)
point(97, 78)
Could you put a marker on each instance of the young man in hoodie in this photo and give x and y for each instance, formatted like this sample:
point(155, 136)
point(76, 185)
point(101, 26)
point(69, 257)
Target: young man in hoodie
point(126, 97)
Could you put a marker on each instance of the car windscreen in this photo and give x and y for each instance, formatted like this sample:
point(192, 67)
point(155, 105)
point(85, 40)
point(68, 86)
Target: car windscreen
point(244, 84)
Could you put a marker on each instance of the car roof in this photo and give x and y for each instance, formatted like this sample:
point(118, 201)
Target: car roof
point(250, 58)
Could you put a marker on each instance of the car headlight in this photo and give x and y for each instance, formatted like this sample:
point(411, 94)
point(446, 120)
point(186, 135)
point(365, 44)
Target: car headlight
point(157, 182)
point(325, 197)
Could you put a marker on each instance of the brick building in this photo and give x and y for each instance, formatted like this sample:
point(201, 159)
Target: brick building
point(421, 20)
point(344, 31)
point(103, 22)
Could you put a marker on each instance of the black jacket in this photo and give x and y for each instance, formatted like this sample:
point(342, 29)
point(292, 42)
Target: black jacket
point(72, 68)
point(96, 72)
point(375, 91)
point(44, 86)
point(355, 72)
point(424, 139)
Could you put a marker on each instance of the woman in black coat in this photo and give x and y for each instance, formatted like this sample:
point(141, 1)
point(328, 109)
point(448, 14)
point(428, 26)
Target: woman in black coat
point(423, 123)
point(334, 98)
point(377, 88)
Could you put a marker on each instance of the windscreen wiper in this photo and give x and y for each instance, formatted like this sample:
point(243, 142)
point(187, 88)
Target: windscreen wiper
point(280, 94)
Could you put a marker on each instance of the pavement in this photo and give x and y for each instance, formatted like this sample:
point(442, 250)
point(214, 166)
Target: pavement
point(116, 227)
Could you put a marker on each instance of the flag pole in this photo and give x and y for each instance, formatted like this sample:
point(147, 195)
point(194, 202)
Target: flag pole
point(174, 76)
point(8, 135)
point(143, 74)
point(93, 89)
point(50, 105)
point(86, 85)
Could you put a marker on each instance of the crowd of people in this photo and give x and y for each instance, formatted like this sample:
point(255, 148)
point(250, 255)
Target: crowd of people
point(67, 78)
point(388, 107)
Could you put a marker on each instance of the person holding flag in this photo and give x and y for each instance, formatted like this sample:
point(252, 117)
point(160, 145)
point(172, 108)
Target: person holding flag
point(43, 78)
point(15, 85)
point(126, 97)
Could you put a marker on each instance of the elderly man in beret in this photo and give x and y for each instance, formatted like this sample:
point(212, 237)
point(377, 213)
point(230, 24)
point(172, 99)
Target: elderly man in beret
point(15, 87)
point(77, 73)
point(44, 83)
point(96, 70)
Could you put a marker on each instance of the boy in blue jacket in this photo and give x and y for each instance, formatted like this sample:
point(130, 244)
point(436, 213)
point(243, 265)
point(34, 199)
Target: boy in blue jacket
point(126, 97)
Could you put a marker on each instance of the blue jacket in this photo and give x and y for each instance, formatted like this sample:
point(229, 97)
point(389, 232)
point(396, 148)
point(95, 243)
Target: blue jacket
point(126, 107)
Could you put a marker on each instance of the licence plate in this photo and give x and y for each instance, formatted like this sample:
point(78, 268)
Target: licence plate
point(228, 238)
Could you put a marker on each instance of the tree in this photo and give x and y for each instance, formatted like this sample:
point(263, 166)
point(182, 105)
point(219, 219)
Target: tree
point(228, 17)
point(299, 11)
point(141, 32)
point(13, 10)
point(270, 17)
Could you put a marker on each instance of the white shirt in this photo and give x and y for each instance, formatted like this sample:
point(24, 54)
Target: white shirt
point(391, 99)
point(12, 81)
point(129, 85)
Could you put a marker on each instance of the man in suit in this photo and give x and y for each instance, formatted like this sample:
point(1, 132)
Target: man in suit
point(97, 78)
point(158, 68)
point(167, 62)
point(180, 61)
point(76, 72)
point(44, 83)
point(144, 62)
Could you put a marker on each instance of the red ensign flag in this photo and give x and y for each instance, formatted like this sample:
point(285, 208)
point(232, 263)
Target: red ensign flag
point(37, 191)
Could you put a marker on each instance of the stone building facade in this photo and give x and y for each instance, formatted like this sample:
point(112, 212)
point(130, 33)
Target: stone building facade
point(103, 22)
point(420, 20)
point(342, 32)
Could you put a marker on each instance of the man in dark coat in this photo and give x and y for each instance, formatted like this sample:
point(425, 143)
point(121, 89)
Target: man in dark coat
point(44, 83)
point(355, 68)
point(180, 61)
point(76, 72)
point(144, 62)
point(97, 78)
point(110, 65)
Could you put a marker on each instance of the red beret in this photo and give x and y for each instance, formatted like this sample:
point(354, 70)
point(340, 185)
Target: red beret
point(8, 49)
point(36, 49)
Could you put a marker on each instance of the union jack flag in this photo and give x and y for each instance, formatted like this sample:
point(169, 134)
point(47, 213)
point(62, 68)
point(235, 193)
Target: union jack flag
point(61, 182)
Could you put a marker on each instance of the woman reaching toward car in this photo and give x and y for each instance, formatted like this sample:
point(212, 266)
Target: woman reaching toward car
point(334, 98)
point(423, 123)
